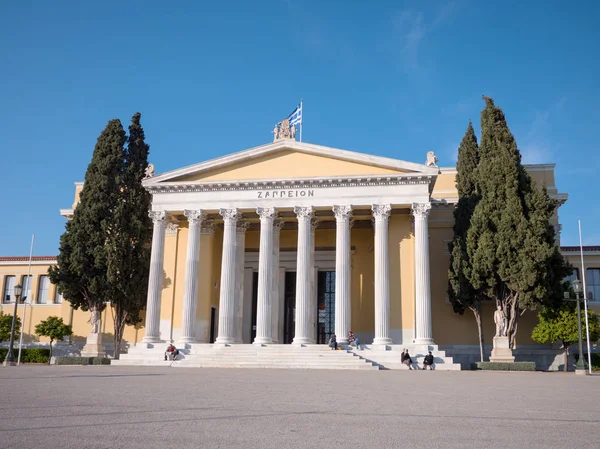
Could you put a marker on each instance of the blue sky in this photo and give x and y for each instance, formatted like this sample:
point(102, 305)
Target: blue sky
point(397, 79)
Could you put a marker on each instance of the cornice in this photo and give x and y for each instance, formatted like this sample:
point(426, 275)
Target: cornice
point(285, 184)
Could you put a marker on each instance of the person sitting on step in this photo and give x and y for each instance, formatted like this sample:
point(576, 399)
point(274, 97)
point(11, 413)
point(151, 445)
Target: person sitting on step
point(405, 358)
point(333, 342)
point(428, 361)
point(171, 353)
point(353, 339)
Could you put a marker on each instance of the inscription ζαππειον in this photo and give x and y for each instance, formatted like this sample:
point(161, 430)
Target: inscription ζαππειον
point(285, 193)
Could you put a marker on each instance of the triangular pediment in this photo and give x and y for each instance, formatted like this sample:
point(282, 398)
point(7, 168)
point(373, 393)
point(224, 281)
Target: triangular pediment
point(290, 159)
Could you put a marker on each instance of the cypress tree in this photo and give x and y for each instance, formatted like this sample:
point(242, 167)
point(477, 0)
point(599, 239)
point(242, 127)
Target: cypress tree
point(81, 272)
point(128, 251)
point(510, 242)
point(461, 293)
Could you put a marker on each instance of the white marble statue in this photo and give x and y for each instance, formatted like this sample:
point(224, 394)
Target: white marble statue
point(501, 324)
point(431, 159)
point(149, 173)
point(284, 130)
point(95, 321)
point(275, 133)
point(293, 132)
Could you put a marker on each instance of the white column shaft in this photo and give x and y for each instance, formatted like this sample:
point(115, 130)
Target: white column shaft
point(382, 283)
point(303, 276)
point(275, 283)
point(227, 297)
point(155, 278)
point(265, 265)
point(190, 291)
point(423, 331)
point(312, 324)
point(240, 245)
point(342, 273)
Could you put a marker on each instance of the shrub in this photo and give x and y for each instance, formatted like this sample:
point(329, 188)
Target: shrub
point(82, 361)
point(498, 366)
point(28, 355)
point(595, 360)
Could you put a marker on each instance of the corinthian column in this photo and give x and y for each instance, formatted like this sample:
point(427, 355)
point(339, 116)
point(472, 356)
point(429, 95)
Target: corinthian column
point(155, 278)
point(265, 262)
point(242, 227)
point(303, 276)
point(312, 324)
point(190, 291)
point(277, 225)
point(381, 212)
point(423, 333)
point(227, 297)
point(342, 272)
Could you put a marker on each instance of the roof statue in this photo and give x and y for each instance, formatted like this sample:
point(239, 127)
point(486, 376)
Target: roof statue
point(283, 130)
point(431, 159)
point(149, 173)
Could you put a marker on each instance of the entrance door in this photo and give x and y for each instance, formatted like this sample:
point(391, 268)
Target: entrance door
point(289, 314)
point(213, 324)
point(326, 306)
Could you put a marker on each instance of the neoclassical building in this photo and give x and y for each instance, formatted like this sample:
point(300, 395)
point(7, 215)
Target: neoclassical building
point(290, 242)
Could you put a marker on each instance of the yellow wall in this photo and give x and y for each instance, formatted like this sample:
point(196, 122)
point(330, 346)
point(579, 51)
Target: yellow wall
point(288, 164)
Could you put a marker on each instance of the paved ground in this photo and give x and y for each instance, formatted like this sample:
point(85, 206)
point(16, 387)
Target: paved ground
point(132, 407)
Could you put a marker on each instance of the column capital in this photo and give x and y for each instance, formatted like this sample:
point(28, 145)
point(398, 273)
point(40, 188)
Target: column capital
point(195, 217)
point(304, 212)
point(314, 223)
point(278, 224)
point(342, 212)
point(421, 210)
point(381, 211)
point(208, 227)
point(172, 228)
point(242, 226)
point(229, 215)
point(157, 216)
point(265, 212)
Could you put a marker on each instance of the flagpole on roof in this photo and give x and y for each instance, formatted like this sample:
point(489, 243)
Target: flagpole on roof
point(301, 119)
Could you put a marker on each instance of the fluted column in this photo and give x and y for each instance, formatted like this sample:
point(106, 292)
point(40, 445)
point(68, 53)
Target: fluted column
point(312, 324)
point(381, 213)
point(155, 278)
point(277, 225)
point(190, 291)
point(265, 265)
point(342, 272)
point(227, 297)
point(240, 256)
point(303, 276)
point(423, 331)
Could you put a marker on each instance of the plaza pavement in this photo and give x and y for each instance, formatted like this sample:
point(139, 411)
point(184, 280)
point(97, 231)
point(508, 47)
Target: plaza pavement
point(138, 407)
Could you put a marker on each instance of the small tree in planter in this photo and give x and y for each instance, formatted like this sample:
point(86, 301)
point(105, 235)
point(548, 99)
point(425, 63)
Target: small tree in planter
point(54, 329)
point(561, 325)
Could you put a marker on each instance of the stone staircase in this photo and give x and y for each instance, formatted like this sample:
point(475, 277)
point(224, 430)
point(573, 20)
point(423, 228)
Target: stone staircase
point(388, 357)
point(249, 356)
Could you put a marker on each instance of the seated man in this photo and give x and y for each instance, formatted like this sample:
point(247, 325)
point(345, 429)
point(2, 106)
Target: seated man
point(333, 342)
point(171, 353)
point(428, 362)
point(353, 339)
point(405, 358)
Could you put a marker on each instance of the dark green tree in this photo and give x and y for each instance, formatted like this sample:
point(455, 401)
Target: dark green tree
point(510, 242)
point(53, 328)
point(461, 293)
point(6, 325)
point(82, 270)
point(128, 251)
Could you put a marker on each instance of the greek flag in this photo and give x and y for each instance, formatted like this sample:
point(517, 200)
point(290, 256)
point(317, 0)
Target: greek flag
point(295, 117)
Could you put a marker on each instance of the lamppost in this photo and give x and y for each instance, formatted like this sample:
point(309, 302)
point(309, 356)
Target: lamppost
point(10, 358)
point(578, 288)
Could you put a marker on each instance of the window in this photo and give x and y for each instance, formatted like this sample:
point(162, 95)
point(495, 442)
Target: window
point(592, 278)
point(9, 286)
point(26, 284)
point(42, 297)
point(58, 298)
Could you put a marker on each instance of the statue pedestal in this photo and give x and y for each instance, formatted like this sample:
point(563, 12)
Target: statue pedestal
point(502, 352)
point(93, 346)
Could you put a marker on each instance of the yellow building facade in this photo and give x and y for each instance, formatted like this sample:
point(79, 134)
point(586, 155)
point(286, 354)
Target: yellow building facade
point(289, 243)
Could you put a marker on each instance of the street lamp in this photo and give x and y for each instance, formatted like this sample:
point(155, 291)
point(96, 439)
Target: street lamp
point(578, 288)
point(10, 358)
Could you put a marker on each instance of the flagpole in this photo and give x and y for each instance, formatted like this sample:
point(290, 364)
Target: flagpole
point(587, 324)
point(301, 119)
point(29, 298)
